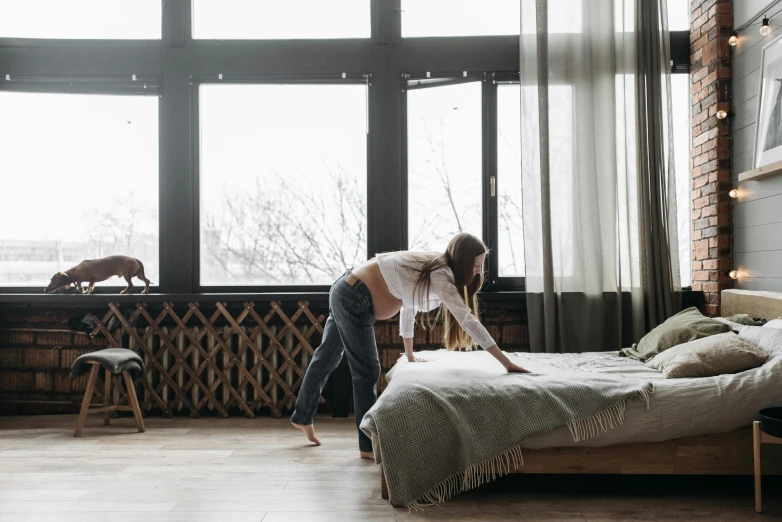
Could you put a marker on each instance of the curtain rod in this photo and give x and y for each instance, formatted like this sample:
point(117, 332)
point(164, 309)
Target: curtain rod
point(758, 15)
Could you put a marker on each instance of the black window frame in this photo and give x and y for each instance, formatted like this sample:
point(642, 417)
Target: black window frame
point(179, 60)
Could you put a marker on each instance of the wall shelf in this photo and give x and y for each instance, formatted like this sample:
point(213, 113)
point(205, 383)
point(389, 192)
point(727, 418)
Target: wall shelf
point(771, 169)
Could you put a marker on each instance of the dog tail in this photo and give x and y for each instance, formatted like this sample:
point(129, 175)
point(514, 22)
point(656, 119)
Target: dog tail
point(141, 275)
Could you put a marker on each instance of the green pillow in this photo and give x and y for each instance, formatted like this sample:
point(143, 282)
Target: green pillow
point(688, 325)
point(746, 320)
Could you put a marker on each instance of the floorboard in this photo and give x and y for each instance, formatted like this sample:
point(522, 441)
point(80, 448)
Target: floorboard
point(262, 470)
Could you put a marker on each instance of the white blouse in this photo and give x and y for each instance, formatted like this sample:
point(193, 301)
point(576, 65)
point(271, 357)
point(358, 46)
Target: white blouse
point(401, 279)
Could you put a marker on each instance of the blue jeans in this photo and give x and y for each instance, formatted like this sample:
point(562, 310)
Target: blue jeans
point(350, 329)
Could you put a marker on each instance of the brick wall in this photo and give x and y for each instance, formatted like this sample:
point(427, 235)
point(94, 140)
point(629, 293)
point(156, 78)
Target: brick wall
point(37, 350)
point(711, 25)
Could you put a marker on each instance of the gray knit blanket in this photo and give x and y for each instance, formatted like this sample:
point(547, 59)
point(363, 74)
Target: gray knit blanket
point(450, 424)
point(115, 360)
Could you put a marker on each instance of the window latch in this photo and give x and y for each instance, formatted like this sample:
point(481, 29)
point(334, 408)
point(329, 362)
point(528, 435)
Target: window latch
point(493, 185)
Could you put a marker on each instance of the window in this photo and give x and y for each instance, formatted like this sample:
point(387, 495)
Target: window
point(490, 17)
point(289, 19)
point(81, 19)
point(678, 15)
point(679, 20)
point(325, 169)
point(510, 233)
point(80, 176)
point(444, 163)
point(464, 163)
point(282, 183)
point(682, 139)
point(459, 17)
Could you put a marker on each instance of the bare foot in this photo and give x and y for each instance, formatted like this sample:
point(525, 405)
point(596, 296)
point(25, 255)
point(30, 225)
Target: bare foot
point(367, 455)
point(309, 431)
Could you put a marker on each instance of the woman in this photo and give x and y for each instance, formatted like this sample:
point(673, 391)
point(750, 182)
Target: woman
point(404, 282)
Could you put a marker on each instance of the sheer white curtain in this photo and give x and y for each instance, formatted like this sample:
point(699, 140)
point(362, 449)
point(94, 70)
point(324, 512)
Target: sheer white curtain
point(585, 206)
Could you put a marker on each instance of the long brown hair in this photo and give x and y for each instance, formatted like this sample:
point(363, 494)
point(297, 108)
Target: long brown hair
point(459, 256)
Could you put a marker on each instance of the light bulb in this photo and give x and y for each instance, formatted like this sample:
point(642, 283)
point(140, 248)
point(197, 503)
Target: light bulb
point(734, 193)
point(733, 40)
point(721, 114)
point(733, 274)
point(764, 27)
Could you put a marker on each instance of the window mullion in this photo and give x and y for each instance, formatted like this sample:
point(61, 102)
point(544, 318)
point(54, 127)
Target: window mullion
point(489, 172)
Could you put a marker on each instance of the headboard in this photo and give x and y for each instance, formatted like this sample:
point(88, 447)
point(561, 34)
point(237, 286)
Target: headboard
point(767, 305)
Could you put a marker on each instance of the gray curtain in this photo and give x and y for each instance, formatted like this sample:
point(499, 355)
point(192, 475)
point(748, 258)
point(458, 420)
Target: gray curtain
point(597, 172)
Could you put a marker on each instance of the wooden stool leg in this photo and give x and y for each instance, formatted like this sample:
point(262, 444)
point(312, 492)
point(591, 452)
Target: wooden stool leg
point(107, 396)
point(85, 403)
point(756, 439)
point(134, 401)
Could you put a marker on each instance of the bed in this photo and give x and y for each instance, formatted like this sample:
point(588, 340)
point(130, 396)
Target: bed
point(688, 426)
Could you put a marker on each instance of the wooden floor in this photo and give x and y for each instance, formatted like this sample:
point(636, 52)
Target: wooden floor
point(251, 470)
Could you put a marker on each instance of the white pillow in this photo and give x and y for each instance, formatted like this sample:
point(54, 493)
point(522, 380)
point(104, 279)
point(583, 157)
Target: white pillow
point(768, 340)
point(774, 323)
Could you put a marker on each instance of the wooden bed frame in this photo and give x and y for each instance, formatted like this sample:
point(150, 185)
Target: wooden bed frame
point(714, 454)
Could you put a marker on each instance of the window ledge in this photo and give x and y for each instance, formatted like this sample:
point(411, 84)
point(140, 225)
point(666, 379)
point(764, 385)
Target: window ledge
point(515, 299)
point(77, 300)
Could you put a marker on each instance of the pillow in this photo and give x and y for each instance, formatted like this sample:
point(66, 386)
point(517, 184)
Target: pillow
point(746, 320)
point(774, 323)
point(688, 325)
point(767, 340)
point(709, 356)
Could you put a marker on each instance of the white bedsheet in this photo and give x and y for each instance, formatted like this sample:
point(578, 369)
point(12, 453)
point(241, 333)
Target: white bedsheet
point(677, 408)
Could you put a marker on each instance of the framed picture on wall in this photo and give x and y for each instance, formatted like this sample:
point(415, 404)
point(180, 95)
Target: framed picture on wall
point(768, 131)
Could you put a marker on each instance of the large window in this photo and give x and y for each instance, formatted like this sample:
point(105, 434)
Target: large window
point(282, 183)
point(682, 140)
point(288, 19)
point(81, 19)
point(463, 163)
point(296, 138)
point(459, 17)
point(679, 20)
point(510, 233)
point(489, 17)
point(80, 181)
point(444, 163)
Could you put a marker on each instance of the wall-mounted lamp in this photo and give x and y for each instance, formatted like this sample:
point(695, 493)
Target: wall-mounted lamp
point(734, 39)
point(722, 114)
point(734, 193)
point(765, 28)
point(733, 274)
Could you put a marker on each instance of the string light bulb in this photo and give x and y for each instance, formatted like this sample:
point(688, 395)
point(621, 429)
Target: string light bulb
point(765, 28)
point(734, 193)
point(722, 114)
point(734, 39)
point(733, 274)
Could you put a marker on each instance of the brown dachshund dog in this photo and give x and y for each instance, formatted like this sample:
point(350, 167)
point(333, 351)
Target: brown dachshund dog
point(96, 270)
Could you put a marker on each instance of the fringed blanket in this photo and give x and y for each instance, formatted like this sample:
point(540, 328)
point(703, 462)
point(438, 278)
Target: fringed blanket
point(455, 422)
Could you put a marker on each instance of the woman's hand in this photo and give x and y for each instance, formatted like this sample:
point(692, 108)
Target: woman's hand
point(514, 368)
point(503, 359)
point(413, 358)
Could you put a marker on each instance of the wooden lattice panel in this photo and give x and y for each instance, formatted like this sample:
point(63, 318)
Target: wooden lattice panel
point(194, 362)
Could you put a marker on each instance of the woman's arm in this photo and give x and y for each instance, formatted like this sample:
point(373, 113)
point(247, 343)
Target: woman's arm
point(497, 353)
point(449, 295)
point(409, 350)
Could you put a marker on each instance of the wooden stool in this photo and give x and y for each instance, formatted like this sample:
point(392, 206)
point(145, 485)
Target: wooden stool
point(759, 437)
point(107, 407)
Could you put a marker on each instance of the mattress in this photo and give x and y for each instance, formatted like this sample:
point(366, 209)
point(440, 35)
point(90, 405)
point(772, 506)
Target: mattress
point(677, 408)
